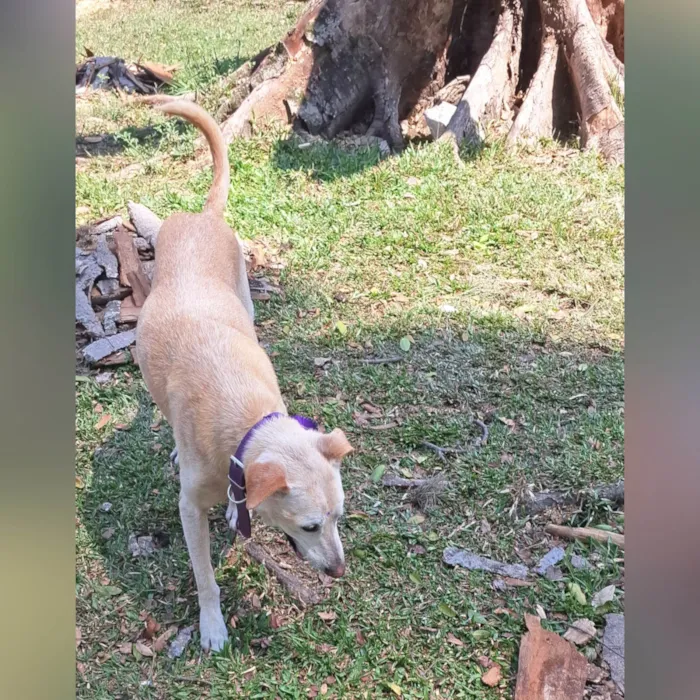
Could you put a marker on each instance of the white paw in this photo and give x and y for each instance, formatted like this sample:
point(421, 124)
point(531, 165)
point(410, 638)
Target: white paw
point(212, 630)
point(232, 515)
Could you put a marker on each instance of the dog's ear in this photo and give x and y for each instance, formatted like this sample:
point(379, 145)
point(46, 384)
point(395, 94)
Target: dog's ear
point(262, 479)
point(334, 445)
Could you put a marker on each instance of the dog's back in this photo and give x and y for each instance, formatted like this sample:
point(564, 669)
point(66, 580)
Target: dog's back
point(199, 281)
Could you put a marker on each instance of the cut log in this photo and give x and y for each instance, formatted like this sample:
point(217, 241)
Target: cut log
point(585, 533)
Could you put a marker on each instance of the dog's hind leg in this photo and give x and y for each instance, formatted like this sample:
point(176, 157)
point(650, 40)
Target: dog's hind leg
point(242, 286)
point(195, 524)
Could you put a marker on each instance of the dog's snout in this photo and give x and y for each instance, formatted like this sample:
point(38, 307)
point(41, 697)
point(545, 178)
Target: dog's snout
point(335, 571)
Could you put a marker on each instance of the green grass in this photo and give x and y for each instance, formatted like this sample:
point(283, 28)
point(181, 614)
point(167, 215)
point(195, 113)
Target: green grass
point(506, 275)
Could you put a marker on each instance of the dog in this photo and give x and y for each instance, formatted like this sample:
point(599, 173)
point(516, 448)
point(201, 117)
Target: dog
point(197, 348)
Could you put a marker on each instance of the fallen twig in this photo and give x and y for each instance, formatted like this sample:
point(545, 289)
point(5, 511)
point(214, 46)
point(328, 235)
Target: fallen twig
point(302, 593)
point(584, 533)
point(381, 360)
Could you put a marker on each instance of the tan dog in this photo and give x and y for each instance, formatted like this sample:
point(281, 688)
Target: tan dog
point(197, 348)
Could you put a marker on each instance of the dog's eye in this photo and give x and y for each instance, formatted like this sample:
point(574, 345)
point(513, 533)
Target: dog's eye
point(311, 528)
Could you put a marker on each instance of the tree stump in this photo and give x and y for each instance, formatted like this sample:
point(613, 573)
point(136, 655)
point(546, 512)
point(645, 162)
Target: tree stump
point(531, 69)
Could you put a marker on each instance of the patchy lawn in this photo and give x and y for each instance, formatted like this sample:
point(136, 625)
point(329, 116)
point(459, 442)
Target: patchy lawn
point(505, 276)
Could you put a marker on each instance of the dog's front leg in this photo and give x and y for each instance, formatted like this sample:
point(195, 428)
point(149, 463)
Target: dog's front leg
point(212, 628)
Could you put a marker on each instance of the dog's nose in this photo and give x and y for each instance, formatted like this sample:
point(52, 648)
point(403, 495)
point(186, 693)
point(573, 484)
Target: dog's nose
point(335, 571)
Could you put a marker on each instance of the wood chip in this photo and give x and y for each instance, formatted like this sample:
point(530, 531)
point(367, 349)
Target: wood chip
point(581, 632)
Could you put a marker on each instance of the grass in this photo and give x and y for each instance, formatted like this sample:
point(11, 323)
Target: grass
point(505, 276)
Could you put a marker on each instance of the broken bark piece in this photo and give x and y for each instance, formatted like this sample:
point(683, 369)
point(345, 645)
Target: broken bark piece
point(129, 312)
point(131, 271)
point(141, 286)
point(585, 533)
point(100, 349)
point(548, 666)
point(105, 258)
point(111, 316)
point(554, 556)
point(296, 588)
point(147, 224)
point(614, 648)
point(469, 560)
point(106, 226)
point(84, 314)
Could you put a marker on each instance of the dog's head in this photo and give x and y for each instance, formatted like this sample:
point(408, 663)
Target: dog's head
point(293, 482)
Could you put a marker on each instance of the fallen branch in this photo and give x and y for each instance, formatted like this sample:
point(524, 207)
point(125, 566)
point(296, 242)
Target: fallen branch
point(584, 533)
point(539, 502)
point(302, 593)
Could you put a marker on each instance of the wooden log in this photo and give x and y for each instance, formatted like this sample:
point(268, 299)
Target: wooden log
point(584, 533)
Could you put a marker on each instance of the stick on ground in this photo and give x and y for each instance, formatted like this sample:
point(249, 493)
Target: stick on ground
point(302, 593)
point(584, 533)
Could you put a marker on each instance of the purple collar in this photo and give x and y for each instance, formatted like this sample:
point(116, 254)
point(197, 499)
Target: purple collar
point(236, 475)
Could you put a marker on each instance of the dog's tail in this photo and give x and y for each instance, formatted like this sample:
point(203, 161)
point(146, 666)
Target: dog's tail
point(218, 194)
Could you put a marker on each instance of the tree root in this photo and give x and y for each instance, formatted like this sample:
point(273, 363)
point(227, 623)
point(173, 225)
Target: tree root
point(535, 119)
point(491, 89)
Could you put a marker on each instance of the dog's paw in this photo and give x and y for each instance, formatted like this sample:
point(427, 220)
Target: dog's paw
point(212, 630)
point(232, 515)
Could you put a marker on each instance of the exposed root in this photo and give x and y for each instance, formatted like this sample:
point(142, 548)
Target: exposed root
point(602, 123)
point(491, 90)
point(535, 120)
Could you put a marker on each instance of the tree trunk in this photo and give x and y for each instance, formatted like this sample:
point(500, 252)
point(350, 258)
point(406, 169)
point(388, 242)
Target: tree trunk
point(530, 68)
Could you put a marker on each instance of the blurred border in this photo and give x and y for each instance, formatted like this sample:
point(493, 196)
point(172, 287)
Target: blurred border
point(663, 349)
point(662, 238)
point(37, 521)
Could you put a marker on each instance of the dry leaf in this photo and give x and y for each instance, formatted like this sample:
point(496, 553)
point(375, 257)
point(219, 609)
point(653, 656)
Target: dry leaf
point(78, 637)
point(359, 638)
point(604, 596)
point(451, 639)
point(124, 648)
point(143, 649)
point(395, 689)
point(581, 632)
point(328, 616)
point(159, 644)
point(485, 662)
point(275, 621)
point(103, 421)
point(540, 612)
point(151, 628)
point(502, 611)
point(492, 677)
point(324, 688)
